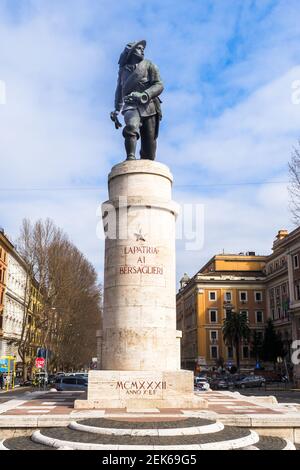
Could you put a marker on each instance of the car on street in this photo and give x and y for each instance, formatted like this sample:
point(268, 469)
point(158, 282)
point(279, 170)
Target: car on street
point(219, 384)
point(51, 379)
point(69, 384)
point(201, 383)
point(250, 381)
point(26, 383)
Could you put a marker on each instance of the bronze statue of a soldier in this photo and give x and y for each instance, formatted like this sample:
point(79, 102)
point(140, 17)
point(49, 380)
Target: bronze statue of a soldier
point(137, 97)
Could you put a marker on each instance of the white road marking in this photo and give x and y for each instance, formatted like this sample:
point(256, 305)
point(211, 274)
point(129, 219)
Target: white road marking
point(39, 411)
point(147, 410)
point(35, 407)
point(10, 405)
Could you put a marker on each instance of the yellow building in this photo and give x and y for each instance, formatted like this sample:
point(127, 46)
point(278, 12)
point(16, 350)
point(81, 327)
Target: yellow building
point(226, 282)
point(35, 305)
point(3, 269)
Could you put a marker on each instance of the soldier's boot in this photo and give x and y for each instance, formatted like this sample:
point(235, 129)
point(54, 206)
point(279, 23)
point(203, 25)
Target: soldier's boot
point(130, 146)
point(148, 149)
point(131, 138)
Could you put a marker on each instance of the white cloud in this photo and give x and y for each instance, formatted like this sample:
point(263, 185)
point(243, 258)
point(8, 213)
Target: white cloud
point(222, 123)
point(236, 220)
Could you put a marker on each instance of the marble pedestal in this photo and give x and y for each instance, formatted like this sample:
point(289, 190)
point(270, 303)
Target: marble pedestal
point(140, 351)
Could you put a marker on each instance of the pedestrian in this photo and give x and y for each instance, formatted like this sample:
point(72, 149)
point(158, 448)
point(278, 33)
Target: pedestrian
point(1, 381)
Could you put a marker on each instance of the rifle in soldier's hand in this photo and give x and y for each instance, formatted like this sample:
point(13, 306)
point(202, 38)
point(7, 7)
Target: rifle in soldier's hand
point(115, 119)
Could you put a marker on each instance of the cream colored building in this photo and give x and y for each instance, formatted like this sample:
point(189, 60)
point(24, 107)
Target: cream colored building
point(13, 314)
point(283, 284)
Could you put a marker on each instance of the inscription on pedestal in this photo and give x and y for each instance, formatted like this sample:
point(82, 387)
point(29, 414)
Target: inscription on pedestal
point(142, 261)
point(140, 387)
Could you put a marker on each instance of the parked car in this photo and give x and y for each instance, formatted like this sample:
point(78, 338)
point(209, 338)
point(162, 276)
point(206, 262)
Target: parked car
point(78, 374)
point(26, 383)
point(250, 381)
point(219, 384)
point(68, 383)
point(51, 379)
point(201, 383)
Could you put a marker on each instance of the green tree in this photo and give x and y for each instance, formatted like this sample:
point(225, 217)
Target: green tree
point(256, 345)
point(235, 329)
point(272, 345)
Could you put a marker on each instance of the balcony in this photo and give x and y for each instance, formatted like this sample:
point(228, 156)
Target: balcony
point(214, 341)
point(228, 305)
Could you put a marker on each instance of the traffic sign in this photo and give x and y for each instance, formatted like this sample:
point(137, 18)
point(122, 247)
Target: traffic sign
point(40, 362)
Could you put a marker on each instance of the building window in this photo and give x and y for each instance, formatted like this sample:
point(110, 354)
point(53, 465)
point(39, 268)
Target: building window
point(227, 313)
point(284, 289)
point(259, 317)
point(245, 352)
point(214, 352)
point(213, 335)
point(258, 296)
point(296, 261)
point(228, 296)
point(273, 314)
point(279, 312)
point(243, 296)
point(212, 296)
point(260, 336)
point(297, 291)
point(213, 316)
point(230, 352)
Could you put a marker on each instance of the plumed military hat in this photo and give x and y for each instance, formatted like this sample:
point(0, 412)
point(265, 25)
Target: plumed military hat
point(125, 56)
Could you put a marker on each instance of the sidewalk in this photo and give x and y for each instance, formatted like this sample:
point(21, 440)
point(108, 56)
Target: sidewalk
point(12, 390)
point(220, 403)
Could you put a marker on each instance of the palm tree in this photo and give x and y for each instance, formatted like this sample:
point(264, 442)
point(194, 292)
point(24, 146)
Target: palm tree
point(256, 345)
point(235, 328)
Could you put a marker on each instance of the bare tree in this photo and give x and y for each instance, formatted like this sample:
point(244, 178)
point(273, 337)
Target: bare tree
point(71, 299)
point(33, 244)
point(294, 185)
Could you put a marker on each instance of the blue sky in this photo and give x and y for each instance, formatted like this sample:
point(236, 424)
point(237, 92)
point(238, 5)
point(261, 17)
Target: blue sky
point(228, 68)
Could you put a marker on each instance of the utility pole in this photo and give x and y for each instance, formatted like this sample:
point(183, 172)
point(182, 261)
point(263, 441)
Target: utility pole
point(46, 368)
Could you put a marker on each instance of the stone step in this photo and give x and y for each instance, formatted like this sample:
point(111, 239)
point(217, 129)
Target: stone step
point(226, 439)
point(177, 427)
point(26, 443)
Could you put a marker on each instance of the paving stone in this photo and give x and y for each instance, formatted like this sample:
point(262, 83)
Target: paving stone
point(270, 443)
point(66, 434)
point(143, 424)
point(24, 443)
